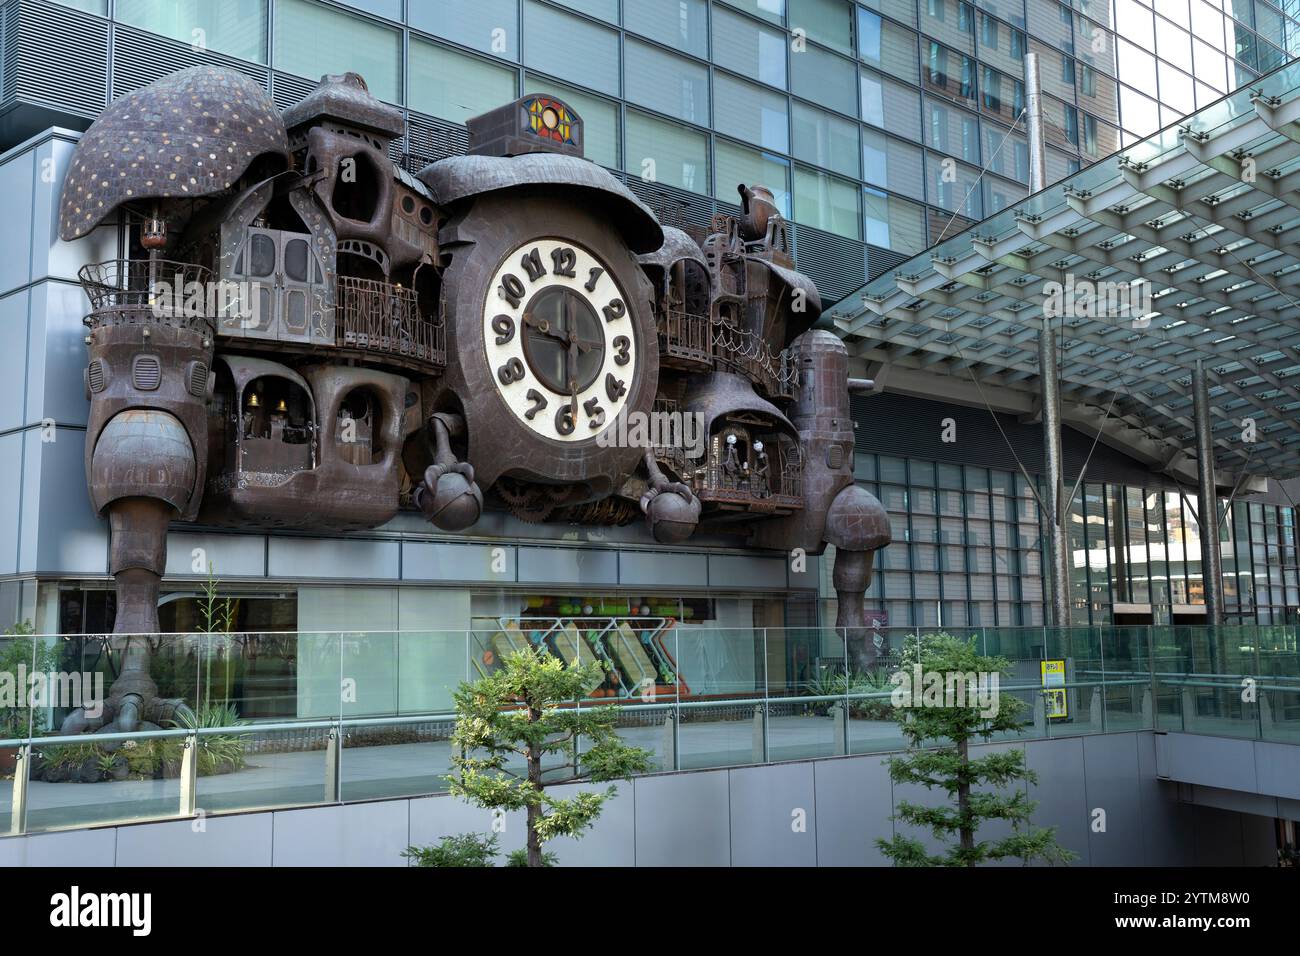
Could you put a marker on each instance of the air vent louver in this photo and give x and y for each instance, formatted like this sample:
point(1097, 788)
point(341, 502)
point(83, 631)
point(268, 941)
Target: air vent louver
point(146, 373)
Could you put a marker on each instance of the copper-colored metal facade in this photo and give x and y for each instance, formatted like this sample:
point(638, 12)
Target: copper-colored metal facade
point(300, 331)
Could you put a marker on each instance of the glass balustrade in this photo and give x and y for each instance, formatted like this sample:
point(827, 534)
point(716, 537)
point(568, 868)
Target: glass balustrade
point(255, 721)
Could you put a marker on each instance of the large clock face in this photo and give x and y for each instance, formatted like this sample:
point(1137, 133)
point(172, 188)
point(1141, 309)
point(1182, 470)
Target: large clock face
point(559, 340)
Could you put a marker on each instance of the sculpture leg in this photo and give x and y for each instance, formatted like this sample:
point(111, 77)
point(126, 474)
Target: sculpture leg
point(671, 509)
point(138, 555)
point(851, 577)
point(448, 496)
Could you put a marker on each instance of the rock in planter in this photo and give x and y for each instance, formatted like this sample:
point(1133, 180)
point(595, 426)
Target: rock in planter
point(120, 769)
point(89, 771)
point(56, 774)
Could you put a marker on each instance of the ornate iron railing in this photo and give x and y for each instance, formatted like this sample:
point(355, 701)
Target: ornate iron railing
point(748, 354)
point(382, 317)
point(685, 335)
point(152, 292)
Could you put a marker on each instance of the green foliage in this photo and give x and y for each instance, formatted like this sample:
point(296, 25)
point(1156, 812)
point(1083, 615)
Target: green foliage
point(950, 768)
point(218, 613)
point(215, 750)
point(34, 656)
point(516, 712)
point(520, 858)
point(463, 849)
point(835, 683)
point(149, 758)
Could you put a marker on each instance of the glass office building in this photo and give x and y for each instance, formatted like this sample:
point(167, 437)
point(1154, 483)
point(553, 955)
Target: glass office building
point(871, 122)
point(880, 126)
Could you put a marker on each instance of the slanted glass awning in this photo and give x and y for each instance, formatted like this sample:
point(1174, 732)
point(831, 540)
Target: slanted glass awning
point(1206, 213)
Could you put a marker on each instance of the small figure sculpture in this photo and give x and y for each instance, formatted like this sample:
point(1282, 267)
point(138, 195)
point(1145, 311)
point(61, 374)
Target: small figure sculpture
point(731, 463)
point(759, 481)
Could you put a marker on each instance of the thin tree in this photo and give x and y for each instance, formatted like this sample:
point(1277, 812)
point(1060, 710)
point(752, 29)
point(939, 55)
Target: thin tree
point(526, 709)
point(926, 713)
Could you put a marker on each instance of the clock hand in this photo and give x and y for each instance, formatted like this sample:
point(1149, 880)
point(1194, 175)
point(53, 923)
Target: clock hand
point(543, 326)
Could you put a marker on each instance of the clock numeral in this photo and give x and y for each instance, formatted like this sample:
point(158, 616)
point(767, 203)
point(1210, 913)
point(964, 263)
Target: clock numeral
point(565, 259)
point(511, 289)
point(595, 414)
point(621, 345)
point(511, 372)
point(615, 310)
point(538, 400)
point(564, 419)
point(532, 264)
point(504, 327)
point(615, 388)
point(595, 274)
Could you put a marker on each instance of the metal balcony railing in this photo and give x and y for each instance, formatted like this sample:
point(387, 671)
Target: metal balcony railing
point(381, 317)
point(748, 354)
point(685, 336)
point(152, 292)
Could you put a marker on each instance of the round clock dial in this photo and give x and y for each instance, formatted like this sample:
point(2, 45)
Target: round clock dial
point(559, 341)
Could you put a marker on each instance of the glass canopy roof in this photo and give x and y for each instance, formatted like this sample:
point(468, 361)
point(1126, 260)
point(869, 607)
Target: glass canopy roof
point(1200, 222)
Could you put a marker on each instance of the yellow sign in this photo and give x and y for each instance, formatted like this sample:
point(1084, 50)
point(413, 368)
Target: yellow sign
point(1053, 677)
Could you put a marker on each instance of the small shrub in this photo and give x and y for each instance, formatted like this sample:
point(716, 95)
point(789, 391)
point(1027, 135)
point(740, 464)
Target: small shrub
point(463, 849)
point(520, 858)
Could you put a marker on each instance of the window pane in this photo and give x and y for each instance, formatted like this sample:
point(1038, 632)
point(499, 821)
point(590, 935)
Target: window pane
point(456, 86)
point(750, 112)
point(680, 24)
point(829, 22)
point(887, 47)
point(825, 139)
point(1176, 89)
point(311, 41)
point(742, 46)
point(951, 21)
point(953, 186)
point(666, 83)
point(883, 98)
point(665, 152)
point(737, 165)
point(599, 119)
point(570, 48)
point(892, 164)
point(773, 10)
point(823, 78)
point(1006, 152)
point(999, 194)
point(237, 28)
point(99, 7)
point(1173, 44)
point(901, 10)
point(949, 72)
point(952, 131)
point(490, 26)
point(826, 202)
point(390, 9)
point(601, 9)
point(893, 223)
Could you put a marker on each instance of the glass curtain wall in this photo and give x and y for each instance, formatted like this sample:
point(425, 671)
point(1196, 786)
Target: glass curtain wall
point(967, 551)
point(886, 122)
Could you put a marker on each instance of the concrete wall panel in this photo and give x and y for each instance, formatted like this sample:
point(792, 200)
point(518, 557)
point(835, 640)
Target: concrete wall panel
point(773, 816)
point(684, 821)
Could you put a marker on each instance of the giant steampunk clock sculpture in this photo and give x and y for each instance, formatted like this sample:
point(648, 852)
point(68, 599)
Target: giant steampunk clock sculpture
point(468, 337)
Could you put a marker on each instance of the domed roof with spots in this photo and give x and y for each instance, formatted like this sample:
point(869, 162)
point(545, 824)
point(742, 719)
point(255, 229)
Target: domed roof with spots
point(188, 134)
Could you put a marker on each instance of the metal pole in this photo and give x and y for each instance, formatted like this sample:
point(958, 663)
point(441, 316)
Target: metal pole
point(1207, 499)
point(1051, 401)
point(1034, 125)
